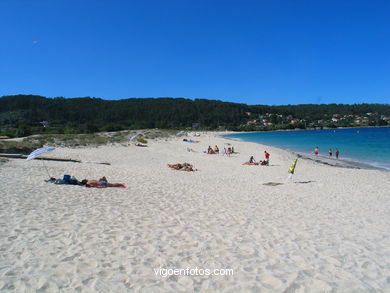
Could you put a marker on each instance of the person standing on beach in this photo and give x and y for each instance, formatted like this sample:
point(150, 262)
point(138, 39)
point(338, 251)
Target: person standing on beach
point(337, 154)
point(316, 151)
point(330, 154)
point(266, 155)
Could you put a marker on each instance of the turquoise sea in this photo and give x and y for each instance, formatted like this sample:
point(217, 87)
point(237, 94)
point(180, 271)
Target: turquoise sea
point(365, 145)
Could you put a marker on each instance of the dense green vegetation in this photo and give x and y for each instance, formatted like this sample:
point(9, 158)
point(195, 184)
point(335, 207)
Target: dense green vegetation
point(22, 115)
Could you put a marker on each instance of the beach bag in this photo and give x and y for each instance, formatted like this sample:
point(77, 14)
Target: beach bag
point(66, 179)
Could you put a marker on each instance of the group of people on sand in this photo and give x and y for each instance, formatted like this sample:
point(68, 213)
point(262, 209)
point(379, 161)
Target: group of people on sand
point(330, 153)
point(182, 167)
point(265, 162)
point(226, 151)
point(211, 151)
point(102, 182)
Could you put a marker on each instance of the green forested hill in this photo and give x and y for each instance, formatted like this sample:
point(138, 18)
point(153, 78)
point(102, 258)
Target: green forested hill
point(22, 114)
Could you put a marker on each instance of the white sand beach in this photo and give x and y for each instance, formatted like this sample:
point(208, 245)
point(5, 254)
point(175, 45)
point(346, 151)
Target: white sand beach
point(326, 230)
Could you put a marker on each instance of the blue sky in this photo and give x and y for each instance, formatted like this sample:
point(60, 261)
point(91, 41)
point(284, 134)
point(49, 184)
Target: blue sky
point(254, 52)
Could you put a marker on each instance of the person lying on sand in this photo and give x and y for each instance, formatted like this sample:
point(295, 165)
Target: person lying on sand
point(175, 166)
point(102, 182)
point(261, 163)
point(182, 167)
point(190, 140)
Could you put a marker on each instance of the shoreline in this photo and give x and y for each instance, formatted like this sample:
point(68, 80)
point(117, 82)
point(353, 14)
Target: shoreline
point(341, 163)
point(316, 128)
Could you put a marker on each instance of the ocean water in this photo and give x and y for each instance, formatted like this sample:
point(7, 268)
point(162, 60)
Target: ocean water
point(365, 145)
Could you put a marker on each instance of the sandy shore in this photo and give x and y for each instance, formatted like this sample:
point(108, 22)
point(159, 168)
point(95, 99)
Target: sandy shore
point(326, 230)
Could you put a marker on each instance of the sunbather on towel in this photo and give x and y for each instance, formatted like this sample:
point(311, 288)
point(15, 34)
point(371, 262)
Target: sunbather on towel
point(182, 167)
point(102, 182)
point(190, 140)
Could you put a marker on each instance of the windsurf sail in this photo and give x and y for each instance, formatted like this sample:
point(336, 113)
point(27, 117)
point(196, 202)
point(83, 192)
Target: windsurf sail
point(292, 168)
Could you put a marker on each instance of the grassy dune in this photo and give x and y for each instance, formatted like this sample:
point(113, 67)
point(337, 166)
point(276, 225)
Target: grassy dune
point(27, 144)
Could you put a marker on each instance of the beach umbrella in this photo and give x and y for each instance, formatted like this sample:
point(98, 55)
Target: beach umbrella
point(133, 137)
point(38, 152)
point(180, 133)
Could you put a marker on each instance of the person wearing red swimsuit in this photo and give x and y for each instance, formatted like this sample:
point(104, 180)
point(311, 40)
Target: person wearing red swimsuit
point(266, 155)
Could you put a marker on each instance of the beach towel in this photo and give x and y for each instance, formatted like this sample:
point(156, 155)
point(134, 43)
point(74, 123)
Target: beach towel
point(123, 186)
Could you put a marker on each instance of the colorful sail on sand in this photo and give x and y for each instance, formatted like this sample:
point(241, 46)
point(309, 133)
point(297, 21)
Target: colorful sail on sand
point(292, 168)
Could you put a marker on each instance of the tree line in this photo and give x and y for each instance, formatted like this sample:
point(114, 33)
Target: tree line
point(22, 115)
